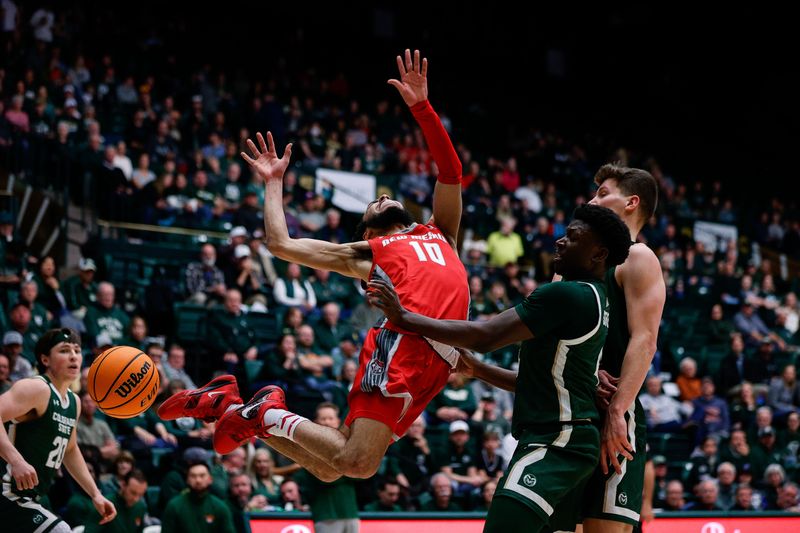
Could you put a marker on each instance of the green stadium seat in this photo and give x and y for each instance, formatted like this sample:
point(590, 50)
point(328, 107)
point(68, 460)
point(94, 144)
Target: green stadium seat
point(190, 323)
point(252, 369)
point(265, 326)
point(151, 497)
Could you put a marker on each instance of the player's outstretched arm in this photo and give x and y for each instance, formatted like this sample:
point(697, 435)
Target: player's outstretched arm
point(352, 259)
point(25, 398)
point(499, 377)
point(501, 330)
point(76, 466)
point(413, 87)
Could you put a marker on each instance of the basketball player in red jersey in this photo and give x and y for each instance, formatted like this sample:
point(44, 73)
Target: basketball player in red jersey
point(399, 372)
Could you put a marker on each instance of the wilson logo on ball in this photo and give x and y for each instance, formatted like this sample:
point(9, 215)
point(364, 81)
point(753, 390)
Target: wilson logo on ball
point(133, 380)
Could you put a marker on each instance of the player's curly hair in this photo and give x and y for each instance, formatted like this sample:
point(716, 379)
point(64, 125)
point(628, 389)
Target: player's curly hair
point(609, 228)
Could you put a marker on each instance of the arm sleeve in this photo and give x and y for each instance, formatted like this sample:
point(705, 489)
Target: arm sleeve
point(439, 142)
point(562, 307)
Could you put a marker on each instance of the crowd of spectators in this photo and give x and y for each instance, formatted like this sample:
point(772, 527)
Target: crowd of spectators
point(148, 148)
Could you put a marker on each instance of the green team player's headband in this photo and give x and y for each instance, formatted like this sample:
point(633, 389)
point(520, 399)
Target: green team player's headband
point(54, 337)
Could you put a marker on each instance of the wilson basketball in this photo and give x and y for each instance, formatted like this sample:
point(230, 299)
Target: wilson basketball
point(123, 381)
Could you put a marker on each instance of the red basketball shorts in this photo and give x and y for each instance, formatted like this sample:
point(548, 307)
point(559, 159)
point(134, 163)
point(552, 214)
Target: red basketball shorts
point(398, 375)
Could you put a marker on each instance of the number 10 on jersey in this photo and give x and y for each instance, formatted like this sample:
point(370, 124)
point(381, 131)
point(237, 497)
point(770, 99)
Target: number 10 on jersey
point(428, 251)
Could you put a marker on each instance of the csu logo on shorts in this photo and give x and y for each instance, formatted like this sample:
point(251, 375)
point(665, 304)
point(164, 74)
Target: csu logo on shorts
point(529, 480)
point(623, 498)
point(38, 519)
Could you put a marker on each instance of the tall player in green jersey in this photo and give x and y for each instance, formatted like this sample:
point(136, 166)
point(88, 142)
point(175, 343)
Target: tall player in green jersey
point(562, 327)
point(636, 291)
point(41, 414)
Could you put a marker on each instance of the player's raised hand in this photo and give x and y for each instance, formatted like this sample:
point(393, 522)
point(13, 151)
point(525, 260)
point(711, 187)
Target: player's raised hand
point(25, 476)
point(413, 82)
point(265, 160)
point(382, 296)
point(105, 508)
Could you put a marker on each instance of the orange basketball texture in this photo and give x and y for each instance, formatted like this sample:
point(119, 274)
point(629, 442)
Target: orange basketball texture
point(123, 381)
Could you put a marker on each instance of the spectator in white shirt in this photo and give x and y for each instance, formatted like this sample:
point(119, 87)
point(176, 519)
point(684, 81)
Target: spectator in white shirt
point(664, 413)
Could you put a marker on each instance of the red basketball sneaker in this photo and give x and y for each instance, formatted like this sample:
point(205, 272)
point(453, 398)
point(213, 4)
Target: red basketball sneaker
point(247, 421)
point(206, 403)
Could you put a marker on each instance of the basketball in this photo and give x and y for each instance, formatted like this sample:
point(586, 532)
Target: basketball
point(123, 381)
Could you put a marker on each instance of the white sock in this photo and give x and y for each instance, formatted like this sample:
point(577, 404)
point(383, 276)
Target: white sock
point(281, 423)
point(233, 406)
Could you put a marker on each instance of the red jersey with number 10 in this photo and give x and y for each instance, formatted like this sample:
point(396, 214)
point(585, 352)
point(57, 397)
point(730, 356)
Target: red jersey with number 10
point(425, 271)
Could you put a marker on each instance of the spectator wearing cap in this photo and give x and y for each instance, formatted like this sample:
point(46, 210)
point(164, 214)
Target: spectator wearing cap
point(80, 290)
point(245, 276)
point(292, 291)
point(105, 316)
point(197, 510)
point(458, 462)
point(229, 334)
point(205, 282)
point(225, 258)
point(784, 393)
point(19, 367)
point(710, 414)
point(765, 452)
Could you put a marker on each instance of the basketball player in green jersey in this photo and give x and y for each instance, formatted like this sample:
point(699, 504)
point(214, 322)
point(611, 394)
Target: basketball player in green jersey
point(41, 413)
point(562, 327)
point(636, 292)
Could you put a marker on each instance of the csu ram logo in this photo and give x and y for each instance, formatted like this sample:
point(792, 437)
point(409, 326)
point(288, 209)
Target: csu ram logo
point(133, 380)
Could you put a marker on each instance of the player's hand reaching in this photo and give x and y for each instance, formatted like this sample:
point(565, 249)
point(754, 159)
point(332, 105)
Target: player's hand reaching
point(606, 388)
point(25, 476)
point(413, 82)
point(614, 442)
point(382, 296)
point(265, 160)
point(105, 508)
point(466, 363)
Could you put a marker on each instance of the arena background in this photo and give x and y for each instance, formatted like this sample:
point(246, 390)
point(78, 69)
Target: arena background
point(706, 96)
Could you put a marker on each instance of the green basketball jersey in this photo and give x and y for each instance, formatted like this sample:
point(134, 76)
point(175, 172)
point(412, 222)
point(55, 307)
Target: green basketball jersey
point(618, 334)
point(557, 375)
point(42, 442)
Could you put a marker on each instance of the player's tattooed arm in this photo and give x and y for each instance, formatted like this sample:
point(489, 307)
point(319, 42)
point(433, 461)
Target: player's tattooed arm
point(486, 336)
